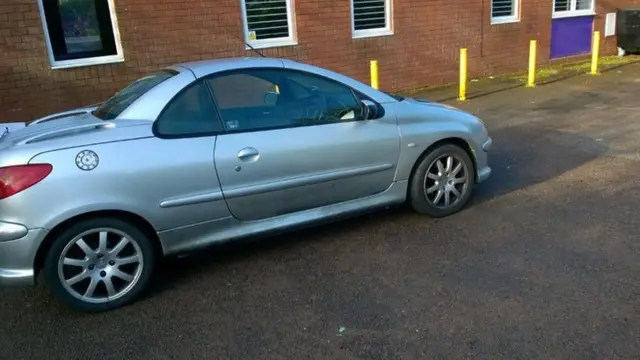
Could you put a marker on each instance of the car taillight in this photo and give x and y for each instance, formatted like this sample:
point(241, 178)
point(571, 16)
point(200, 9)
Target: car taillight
point(14, 179)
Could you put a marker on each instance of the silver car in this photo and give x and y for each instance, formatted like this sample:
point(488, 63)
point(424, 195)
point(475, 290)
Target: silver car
point(211, 151)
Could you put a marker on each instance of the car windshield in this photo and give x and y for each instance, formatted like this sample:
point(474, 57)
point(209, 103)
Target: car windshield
point(113, 107)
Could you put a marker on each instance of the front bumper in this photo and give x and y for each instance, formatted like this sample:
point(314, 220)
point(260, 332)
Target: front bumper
point(482, 161)
point(17, 258)
point(487, 144)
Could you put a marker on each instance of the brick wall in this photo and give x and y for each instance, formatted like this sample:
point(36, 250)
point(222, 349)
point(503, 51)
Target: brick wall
point(155, 33)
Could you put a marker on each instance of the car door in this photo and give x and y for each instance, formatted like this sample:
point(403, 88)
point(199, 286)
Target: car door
point(186, 185)
point(295, 141)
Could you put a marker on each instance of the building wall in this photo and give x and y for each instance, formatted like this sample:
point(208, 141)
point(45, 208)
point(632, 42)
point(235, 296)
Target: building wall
point(155, 33)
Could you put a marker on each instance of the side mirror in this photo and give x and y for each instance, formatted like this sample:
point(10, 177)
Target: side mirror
point(369, 110)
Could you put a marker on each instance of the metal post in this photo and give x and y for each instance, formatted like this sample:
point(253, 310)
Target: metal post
point(374, 74)
point(531, 79)
point(462, 91)
point(595, 52)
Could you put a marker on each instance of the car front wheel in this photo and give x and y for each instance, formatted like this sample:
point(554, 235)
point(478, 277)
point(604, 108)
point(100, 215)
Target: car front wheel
point(442, 182)
point(99, 264)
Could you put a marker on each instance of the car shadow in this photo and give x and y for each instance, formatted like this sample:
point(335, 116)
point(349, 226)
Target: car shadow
point(522, 156)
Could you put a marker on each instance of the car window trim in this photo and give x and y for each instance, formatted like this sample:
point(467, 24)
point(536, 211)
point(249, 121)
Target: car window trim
point(154, 127)
point(356, 95)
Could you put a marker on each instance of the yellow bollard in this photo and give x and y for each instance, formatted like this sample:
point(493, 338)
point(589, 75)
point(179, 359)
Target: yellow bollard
point(595, 52)
point(374, 74)
point(531, 79)
point(462, 91)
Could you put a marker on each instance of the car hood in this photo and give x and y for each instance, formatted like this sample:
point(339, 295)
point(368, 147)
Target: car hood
point(421, 110)
point(429, 103)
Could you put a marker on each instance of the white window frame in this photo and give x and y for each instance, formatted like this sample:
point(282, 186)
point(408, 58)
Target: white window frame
point(387, 30)
point(98, 60)
point(507, 19)
point(267, 43)
point(572, 12)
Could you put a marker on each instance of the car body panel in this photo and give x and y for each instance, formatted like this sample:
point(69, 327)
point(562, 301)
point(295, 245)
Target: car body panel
point(207, 67)
point(342, 161)
point(196, 191)
point(223, 230)
point(172, 183)
point(59, 131)
point(64, 114)
point(419, 131)
point(17, 257)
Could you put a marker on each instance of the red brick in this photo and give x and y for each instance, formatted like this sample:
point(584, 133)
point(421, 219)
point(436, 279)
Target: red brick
point(422, 51)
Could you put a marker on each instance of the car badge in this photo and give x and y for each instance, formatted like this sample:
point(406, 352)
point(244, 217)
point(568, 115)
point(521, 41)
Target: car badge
point(87, 160)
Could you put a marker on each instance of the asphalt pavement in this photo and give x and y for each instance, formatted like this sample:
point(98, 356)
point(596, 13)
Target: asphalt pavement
point(544, 264)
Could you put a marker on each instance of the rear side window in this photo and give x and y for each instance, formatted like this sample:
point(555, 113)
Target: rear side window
point(190, 113)
point(118, 103)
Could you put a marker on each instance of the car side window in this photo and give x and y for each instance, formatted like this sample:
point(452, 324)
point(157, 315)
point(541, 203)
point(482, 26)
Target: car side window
point(339, 102)
point(240, 90)
point(262, 99)
point(190, 113)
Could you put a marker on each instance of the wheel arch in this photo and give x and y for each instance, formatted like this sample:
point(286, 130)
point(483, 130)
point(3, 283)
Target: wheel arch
point(450, 140)
point(127, 216)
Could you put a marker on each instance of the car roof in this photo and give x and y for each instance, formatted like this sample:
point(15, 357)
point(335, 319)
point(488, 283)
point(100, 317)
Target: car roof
point(207, 67)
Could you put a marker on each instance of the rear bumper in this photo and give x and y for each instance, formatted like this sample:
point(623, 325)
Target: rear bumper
point(17, 258)
point(9, 277)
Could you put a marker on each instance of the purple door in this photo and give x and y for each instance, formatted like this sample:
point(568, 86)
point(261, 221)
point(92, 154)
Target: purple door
point(571, 36)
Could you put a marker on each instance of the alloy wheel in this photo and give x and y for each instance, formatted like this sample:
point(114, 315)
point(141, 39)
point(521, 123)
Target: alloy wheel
point(445, 183)
point(100, 265)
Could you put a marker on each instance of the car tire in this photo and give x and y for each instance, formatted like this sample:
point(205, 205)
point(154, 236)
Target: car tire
point(428, 180)
point(113, 272)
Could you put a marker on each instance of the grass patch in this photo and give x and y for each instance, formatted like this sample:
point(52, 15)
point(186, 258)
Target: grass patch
point(552, 71)
point(490, 84)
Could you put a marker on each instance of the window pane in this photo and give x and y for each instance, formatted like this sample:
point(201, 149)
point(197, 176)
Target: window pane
point(240, 90)
point(562, 5)
point(267, 19)
point(191, 112)
point(269, 99)
point(241, 98)
point(80, 25)
point(79, 29)
point(369, 14)
point(583, 4)
point(501, 8)
point(325, 101)
point(118, 103)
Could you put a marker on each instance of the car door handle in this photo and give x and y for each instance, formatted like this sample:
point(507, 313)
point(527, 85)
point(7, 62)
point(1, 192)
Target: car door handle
point(248, 154)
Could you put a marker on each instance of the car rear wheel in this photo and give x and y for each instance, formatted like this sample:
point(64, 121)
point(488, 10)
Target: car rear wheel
point(442, 182)
point(99, 264)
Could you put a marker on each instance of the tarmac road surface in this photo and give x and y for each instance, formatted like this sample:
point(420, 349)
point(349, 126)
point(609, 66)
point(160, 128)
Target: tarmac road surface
point(543, 265)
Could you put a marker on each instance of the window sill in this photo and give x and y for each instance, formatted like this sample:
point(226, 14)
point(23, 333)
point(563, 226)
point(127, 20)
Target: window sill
point(371, 33)
point(271, 44)
point(103, 60)
point(570, 14)
point(505, 20)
